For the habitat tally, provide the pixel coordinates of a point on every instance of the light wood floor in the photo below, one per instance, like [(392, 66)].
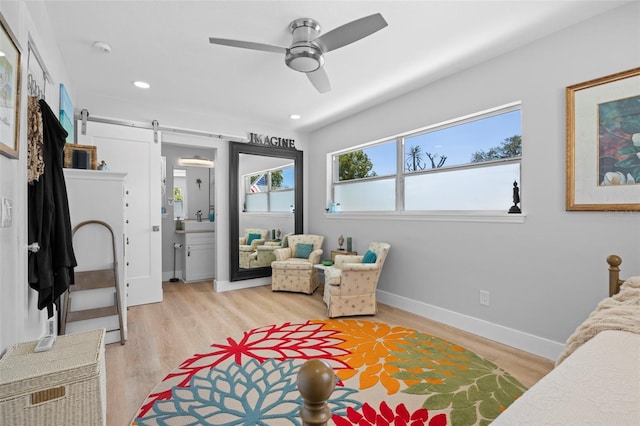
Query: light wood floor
[(192, 316)]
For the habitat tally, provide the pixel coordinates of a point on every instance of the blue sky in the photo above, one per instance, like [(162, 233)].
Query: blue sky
[(457, 142)]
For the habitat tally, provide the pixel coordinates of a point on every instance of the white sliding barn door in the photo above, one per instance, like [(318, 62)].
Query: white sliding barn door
[(134, 152)]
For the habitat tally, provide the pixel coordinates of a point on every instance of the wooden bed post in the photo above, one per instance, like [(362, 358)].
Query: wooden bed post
[(614, 274), (316, 382)]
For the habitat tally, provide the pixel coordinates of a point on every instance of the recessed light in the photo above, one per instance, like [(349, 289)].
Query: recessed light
[(141, 84), (2, 53), (295, 116)]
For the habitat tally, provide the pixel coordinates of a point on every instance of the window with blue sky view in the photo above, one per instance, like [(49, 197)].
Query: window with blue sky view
[(465, 164)]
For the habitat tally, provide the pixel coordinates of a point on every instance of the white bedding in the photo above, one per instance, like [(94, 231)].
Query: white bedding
[(599, 384)]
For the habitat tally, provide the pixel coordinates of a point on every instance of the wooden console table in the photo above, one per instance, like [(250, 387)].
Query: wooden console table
[(334, 253)]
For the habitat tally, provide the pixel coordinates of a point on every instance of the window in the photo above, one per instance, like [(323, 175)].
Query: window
[(179, 188), (367, 178), (270, 190), (467, 164)]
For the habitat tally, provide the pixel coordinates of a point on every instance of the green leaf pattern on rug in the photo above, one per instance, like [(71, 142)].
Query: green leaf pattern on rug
[(474, 389)]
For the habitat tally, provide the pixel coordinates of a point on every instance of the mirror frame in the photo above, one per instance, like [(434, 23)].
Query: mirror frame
[(235, 149)]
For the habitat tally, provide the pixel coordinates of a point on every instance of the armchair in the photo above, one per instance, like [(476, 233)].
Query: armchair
[(264, 255), (350, 285), (292, 270), (248, 247)]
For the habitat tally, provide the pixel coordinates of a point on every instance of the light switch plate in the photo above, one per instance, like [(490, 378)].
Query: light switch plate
[(6, 213)]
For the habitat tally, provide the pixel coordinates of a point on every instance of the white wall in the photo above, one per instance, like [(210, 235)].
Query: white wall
[(20, 319), (544, 275)]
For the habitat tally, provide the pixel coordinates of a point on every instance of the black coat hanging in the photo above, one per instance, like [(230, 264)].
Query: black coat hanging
[(51, 267)]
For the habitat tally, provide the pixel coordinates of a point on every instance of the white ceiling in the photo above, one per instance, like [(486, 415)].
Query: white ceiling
[(166, 44)]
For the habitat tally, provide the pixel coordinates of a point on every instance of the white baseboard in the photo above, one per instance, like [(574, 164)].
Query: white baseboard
[(221, 286), (524, 341)]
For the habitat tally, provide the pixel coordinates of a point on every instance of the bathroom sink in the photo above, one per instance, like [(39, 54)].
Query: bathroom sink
[(195, 226)]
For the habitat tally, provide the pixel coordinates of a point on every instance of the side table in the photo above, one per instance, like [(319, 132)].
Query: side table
[(334, 253)]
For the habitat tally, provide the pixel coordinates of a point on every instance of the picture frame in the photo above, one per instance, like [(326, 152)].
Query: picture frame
[(10, 78), (91, 151), (66, 114), (603, 143)]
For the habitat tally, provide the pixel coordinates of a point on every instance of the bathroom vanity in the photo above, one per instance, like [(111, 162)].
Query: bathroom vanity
[(198, 250)]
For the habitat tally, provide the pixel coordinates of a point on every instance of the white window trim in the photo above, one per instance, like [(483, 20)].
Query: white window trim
[(433, 216)]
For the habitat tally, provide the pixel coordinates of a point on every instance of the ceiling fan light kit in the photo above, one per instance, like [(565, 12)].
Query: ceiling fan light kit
[(307, 48), (304, 55), (304, 58)]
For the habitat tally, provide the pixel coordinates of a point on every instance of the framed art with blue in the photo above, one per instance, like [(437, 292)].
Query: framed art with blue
[(66, 114)]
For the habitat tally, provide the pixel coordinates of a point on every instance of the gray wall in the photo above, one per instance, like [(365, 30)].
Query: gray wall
[(544, 275)]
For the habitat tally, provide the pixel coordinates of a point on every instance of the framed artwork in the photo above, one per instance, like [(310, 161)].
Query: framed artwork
[(603, 143), (80, 156), (9, 91), (66, 114)]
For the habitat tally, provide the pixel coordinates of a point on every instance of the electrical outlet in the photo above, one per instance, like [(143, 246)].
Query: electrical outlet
[(484, 298)]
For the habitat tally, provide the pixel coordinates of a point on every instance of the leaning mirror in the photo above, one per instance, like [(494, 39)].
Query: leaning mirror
[(265, 204)]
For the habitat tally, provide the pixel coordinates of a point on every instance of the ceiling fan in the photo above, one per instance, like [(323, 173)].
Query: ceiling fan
[(308, 47)]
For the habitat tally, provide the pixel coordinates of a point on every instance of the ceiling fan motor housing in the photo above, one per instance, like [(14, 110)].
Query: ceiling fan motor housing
[(304, 55)]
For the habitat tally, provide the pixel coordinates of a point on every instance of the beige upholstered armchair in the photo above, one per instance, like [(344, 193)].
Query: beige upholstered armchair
[(293, 268), (247, 247), (350, 285), (264, 255)]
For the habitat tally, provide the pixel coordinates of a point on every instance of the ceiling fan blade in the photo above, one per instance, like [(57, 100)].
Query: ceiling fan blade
[(247, 45), (350, 32), (320, 80)]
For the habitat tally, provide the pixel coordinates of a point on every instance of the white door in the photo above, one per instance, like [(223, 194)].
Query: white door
[(134, 152)]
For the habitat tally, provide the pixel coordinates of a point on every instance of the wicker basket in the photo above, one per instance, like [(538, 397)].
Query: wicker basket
[(63, 386)]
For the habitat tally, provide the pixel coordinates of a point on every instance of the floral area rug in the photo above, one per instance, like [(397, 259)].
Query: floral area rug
[(384, 376)]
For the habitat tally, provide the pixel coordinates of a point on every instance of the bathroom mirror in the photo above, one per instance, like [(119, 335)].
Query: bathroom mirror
[(192, 189), (248, 163)]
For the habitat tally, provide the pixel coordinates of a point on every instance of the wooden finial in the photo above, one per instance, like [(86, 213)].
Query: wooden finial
[(614, 262), (316, 381)]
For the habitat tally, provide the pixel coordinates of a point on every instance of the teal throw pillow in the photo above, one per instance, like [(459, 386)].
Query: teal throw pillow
[(369, 257), (303, 251), (252, 237)]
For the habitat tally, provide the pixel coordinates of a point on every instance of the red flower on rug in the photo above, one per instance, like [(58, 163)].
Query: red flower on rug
[(387, 417)]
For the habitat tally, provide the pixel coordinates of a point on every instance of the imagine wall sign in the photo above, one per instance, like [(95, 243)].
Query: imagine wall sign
[(272, 141)]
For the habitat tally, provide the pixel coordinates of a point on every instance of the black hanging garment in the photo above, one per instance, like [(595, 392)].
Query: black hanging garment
[(51, 267)]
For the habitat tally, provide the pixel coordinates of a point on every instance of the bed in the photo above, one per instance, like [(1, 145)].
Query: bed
[(596, 380)]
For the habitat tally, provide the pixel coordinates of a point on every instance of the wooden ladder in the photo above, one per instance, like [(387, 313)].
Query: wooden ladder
[(93, 280)]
